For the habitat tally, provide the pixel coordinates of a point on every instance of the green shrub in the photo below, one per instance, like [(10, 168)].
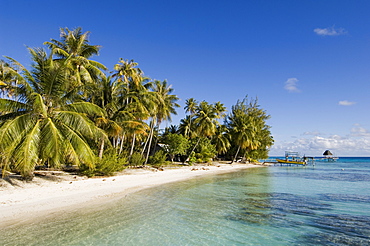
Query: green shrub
[(158, 159), (110, 164), (106, 166), (137, 159)]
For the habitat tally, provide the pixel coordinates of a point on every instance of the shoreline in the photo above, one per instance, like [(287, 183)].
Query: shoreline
[(25, 201)]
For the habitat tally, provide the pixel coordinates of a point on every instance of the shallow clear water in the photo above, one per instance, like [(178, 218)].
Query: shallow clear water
[(325, 204)]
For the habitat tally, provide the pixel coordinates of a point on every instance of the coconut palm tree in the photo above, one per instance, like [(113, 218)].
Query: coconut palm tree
[(244, 123), (8, 79), (220, 109), (190, 106), (75, 46), (187, 128), (42, 125), (165, 104), (205, 122), (221, 139), (206, 119)]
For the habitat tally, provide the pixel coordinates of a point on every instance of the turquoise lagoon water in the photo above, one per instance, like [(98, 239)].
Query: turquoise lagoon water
[(325, 204)]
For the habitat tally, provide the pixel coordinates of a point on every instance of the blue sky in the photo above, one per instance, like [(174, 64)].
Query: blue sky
[(307, 61)]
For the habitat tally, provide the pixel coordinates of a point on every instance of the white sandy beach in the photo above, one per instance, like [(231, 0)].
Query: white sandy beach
[(26, 200)]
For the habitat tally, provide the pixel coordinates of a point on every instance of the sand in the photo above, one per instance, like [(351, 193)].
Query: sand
[(22, 201)]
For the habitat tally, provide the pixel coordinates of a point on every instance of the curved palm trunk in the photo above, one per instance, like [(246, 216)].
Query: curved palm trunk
[(236, 155), (187, 158), (145, 144), (150, 142)]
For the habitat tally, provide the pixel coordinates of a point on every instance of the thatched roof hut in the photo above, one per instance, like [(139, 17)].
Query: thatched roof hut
[(327, 152)]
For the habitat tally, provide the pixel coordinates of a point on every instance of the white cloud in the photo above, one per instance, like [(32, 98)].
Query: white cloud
[(330, 31), (358, 131), (346, 103), (356, 143), (291, 85), (314, 133)]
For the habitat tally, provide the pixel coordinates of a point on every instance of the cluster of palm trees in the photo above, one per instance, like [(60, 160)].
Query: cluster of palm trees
[(67, 109), (243, 133)]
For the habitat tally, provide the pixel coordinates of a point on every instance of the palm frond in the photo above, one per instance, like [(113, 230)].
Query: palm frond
[(52, 144), (25, 156), (84, 108)]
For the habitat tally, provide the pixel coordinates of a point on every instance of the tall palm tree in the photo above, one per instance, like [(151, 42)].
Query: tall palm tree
[(205, 122), (206, 119), (243, 126), (221, 139), (187, 127), (220, 109), (42, 125), (165, 106), (75, 46), (190, 106), (134, 97), (130, 77)]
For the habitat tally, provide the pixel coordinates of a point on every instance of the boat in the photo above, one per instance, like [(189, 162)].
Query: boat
[(294, 158), (291, 162)]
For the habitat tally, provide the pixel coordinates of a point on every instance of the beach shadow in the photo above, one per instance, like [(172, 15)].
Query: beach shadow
[(13, 180)]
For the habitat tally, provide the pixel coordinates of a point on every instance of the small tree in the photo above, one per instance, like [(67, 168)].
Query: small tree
[(205, 151), (175, 145)]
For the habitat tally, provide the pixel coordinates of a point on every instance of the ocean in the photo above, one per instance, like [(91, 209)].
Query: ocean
[(323, 204)]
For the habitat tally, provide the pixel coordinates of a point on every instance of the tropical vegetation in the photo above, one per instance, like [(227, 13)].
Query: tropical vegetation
[(66, 109)]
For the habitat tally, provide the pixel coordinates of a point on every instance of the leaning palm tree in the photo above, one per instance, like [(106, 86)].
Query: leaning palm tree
[(42, 125)]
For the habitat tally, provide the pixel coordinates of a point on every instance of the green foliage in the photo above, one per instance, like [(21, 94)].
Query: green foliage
[(248, 129), (137, 159), (192, 159), (106, 166), (175, 145), (205, 151), (158, 159), (109, 164)]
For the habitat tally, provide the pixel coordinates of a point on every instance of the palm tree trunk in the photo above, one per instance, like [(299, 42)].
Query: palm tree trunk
[(101, 150), (121, 147), (150, 142), (132, 146), (193, 149), (236, 155), (145, 144)]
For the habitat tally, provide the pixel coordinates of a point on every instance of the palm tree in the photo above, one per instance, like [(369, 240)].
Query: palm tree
[(220, 109), (75, 46), (190, 106), (244, 125), (165, 106), (42, 125), (221, 139), (187, 128), (206, 119), (8, 79), (205, 122), (103, 94)]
